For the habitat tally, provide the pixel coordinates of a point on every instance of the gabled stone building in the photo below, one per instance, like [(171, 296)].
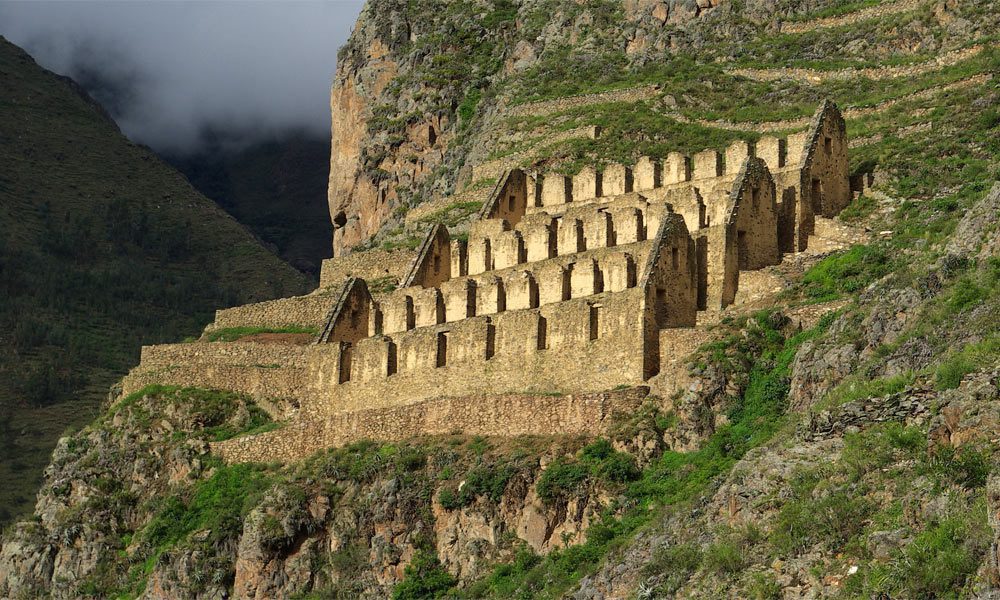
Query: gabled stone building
[(564, 284)]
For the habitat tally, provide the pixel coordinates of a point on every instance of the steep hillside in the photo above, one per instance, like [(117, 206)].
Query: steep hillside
[(103, 247), (834, 437), (277, 188)]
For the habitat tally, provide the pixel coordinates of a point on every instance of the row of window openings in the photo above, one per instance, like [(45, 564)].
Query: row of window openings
[(533, 298), (441, 354), (553, 244)]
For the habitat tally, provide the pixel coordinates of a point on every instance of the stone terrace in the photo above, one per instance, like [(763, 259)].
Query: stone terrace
[(565, 284)]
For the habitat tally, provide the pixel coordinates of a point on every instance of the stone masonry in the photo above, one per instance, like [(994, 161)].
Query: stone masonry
[(566, 287)]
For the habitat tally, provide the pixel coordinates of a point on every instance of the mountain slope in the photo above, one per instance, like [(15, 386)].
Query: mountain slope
[(276, 187), (834, 439), (103, 247)]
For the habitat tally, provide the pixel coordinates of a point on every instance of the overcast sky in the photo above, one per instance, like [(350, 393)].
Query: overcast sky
[(168, 70)]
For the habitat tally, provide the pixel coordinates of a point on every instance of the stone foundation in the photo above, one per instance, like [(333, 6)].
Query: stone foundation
[(507, 415)]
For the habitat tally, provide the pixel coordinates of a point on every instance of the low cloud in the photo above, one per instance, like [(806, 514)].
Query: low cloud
[(174, 73)]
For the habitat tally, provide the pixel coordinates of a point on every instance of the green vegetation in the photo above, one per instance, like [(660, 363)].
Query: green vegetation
[(846, 272), (424, 577), (277, 188), (629, 130), (672, 480), (232, 334), (453, 214), (103, 248), (974, 356)]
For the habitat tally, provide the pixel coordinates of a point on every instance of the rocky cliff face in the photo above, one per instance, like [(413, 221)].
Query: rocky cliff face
[(417, 83)]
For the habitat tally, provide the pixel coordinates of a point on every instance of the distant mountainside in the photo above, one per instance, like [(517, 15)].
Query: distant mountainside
[(103, 247), (277, 188)]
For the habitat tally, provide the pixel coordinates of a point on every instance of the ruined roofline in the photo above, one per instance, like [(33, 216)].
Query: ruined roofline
[(550, 188), (420, 261), (753, 170), (352, 285), (670, 223), (827, 110), (493, 200)]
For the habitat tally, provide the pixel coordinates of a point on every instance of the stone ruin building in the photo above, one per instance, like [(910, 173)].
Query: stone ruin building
[(565, 288)]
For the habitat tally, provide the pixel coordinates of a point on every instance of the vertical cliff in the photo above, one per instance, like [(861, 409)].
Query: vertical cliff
[(419, 87)]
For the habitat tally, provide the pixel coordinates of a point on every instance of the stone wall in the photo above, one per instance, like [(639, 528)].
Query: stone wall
[(493, 415), (369, 265), (580, 345), (301, 311), (278, 376)]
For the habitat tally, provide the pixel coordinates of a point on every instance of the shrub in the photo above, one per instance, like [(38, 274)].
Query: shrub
[(763, 586), (950, 372), (562, 479), (832, 519), (724, 558), (674, 565), (968, 467), (619, 468), (423, 578), (939, 560), (965, 294)]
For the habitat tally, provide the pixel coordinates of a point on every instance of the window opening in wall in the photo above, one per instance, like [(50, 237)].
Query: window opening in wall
[(491, 340), (431, 135), (661, 307), (377, 319), (411, 317), (675, 260), (743, 252), (345, 362), (754, 197), (702, 217), (598, 281), (828, 145), (488, 254), (354, 318), (501, 296), (510, 204), (391, 358), (595, 321), (817, 195), (543, 331), (437, 263), (442, 349)]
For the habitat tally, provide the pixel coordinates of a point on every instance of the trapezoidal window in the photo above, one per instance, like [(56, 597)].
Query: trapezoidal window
[(391, 358), (441, 359), (661, 307), (817, 195), (742, 251), (595, 321), (491, 340), (345, 362)]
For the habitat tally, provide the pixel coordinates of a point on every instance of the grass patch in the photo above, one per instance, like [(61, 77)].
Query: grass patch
[(232, 334), (857, 388), (972, 357), (846, 272)]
